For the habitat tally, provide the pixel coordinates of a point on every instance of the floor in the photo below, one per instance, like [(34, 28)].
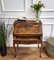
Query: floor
[(25, 54)]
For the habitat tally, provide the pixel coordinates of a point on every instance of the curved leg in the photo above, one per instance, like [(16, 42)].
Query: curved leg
[(17, 45), (38, 45), (40, 50), (14, 49)]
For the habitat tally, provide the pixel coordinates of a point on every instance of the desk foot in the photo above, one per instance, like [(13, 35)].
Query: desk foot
[(14, 56), (40, 56)]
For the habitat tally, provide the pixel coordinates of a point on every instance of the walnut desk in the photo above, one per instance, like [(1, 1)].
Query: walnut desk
[(29, 32)]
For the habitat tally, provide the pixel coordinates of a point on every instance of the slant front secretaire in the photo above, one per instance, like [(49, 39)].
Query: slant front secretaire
[(27, 32)]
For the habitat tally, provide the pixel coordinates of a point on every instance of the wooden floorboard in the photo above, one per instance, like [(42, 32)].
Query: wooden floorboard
[(25, 54)]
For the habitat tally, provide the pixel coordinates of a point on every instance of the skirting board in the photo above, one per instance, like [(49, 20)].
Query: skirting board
[(30, 45)]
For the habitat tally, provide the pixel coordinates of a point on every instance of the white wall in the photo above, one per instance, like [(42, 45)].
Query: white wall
[(47, 18)]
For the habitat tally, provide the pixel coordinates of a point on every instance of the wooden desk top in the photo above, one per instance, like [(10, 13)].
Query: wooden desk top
[(28, 28)]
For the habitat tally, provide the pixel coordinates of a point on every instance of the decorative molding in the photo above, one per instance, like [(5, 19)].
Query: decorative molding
[(44, 9), (46, 17), (47, 10), (41, 17), (5, 8)]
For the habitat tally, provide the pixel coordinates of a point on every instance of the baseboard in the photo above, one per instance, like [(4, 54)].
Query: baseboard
[(30, 45)]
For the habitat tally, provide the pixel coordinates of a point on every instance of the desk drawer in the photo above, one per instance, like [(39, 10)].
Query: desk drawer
[(27, 41)]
